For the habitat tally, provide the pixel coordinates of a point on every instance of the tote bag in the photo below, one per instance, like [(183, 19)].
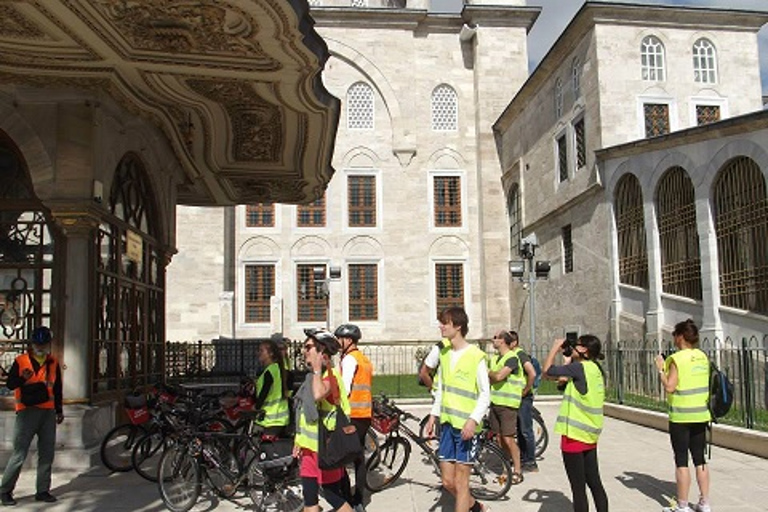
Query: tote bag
[(339, 446)]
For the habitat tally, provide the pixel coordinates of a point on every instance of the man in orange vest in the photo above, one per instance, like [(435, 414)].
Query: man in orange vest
[(357, 374), (35, 378)]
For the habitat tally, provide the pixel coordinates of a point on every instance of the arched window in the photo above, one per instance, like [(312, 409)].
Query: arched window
[(576, 77), (678, 235), (558, 98), (630, 229), (360, 113), (741, 223), (130, 287), (29, 254), (514, 213), (445, 109), (704, 62), (652, 59)]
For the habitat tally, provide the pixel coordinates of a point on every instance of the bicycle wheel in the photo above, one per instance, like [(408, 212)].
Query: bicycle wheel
[(491, 474), (434, 441), (540, 434), (117, 446), (387, 466), (221, 466), (178, 478), (146, 454), (280, 496), (371, 443)]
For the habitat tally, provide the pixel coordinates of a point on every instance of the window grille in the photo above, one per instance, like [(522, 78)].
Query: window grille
[(260, 215), (558, 98), (360, 112), (704, 62), (580, 135), (311, 215), (515, 220), (259, 287), (445, 109), (567, 249), (630, 230), (311, 304), (678, 235), (741, 224), (652, 59), (576, 77), (706, 114), (449, 280), (656, 119), (363, 292), (361, 201), (562, 158), (447, 207)]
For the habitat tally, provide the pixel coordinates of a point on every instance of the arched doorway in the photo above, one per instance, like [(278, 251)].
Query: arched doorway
[(129, 326), (29, 244)]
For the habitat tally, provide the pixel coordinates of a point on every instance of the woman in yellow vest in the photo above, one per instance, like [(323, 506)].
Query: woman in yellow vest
[(321, 392), (272, 390), (580, 420), (685, 377)]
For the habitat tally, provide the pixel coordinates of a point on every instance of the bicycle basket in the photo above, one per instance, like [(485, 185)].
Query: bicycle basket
[(138, 416), (135, 401), (384, 424)]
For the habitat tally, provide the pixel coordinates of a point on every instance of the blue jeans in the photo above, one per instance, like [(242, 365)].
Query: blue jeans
[(526, 440)]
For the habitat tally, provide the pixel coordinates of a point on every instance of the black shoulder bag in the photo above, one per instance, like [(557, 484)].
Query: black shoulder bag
[(37, 392), (339, 446)]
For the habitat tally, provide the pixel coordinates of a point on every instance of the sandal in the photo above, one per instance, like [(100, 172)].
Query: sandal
[(517, 478)]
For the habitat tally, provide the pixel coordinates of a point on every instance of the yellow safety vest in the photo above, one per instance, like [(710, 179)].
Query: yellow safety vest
[(307, 433), (459, 386), (581, 416), (509, 392), (688, 402), (276, 413)]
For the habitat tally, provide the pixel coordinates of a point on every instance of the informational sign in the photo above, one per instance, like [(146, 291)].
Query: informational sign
[(134, 246)]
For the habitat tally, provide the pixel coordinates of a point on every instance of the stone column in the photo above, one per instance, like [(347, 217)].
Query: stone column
[(79, 226), (711, 325), (654, 317)]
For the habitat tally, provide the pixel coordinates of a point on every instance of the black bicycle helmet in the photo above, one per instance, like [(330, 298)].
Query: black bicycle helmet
[(349, 331), (325, 339), (42, 335)]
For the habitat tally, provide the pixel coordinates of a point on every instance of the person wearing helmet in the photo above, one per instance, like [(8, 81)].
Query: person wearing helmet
[(357, 373), (321, 392), (35, 379)]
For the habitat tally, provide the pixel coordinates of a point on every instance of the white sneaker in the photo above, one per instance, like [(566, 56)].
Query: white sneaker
[(676, 509), (698, 507)]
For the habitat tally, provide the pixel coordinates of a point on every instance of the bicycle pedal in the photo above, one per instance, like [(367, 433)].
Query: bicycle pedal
[(501, 479)]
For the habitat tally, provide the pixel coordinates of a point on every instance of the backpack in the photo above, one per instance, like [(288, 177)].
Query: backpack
[(720, 393), (537, 367)]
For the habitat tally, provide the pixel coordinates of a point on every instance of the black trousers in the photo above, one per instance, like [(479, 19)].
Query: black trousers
[(583, 470)]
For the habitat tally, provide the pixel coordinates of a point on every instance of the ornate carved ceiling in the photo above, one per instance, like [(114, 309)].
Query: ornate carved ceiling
[(234, 84)]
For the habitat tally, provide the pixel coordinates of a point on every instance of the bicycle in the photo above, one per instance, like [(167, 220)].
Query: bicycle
[(263, 467), (540, 432), (491, 475)]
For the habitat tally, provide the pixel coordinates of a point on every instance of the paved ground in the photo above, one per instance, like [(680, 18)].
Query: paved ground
[(636, 466)]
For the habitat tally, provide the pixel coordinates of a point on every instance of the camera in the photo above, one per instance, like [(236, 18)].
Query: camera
[(567, 347)]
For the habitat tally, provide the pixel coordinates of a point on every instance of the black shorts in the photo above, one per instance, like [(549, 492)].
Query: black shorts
[(685, 438)]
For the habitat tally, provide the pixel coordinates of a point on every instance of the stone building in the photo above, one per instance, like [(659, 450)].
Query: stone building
[(414, 218), (112, 114), (621, 73)]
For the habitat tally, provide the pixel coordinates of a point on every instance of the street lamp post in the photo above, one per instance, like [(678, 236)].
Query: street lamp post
[(323, 287), (539, 270)]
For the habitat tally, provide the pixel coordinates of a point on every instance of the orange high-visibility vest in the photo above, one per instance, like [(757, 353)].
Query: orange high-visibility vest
[(46, 374), (361, 397)]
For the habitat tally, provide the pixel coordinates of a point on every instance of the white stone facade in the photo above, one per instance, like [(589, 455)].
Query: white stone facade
[(403, 55), (605, 42)]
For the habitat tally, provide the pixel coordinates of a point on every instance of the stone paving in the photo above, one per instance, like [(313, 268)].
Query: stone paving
[(635, 462)]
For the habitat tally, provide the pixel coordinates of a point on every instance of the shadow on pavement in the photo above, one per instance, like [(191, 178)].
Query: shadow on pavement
[(551, 501), (659, 490)]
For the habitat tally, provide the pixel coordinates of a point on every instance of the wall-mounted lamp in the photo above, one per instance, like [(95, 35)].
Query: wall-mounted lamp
[(517, 268)]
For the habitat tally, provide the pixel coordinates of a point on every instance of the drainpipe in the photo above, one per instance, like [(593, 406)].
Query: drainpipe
[(467, 33)]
